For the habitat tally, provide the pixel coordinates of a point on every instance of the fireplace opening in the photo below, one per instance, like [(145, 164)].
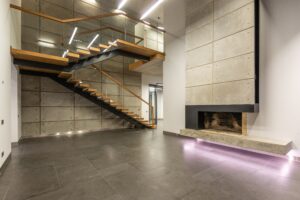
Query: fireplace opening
[(222, 121)]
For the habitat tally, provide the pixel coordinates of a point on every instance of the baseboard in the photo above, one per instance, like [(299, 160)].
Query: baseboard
[(5, 164)]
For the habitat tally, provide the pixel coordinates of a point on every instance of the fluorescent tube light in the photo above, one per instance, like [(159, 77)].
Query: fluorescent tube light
[(161, 28), (148, 23), (92, 42), (151, 9), (122, 4), (73, 35), (65, 53)]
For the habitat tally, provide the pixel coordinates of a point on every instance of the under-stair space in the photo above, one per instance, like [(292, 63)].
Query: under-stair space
[(60, 69)]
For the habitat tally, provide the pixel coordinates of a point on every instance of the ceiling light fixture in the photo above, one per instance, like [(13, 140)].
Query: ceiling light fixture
[(161, 28), (122, 4), (151, 9), (92, 42), (73, 35), (65, 53), (148, 23)]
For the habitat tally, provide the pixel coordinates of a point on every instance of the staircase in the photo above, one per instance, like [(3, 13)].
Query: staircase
[(61, 70)]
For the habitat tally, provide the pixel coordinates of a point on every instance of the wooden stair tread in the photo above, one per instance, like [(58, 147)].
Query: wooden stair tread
[(103, 46), (35, 69), (84, 85), (95, 50), (39, 57), (83, 52), (65, 75), (134, 48), (90, 90), (73, 56)]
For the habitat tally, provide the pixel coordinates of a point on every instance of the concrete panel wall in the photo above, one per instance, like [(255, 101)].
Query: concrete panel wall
[(220, 52), (49, 108)]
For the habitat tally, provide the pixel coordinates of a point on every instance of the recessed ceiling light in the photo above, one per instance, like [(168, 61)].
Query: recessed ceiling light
[(92, 42), (48, 44), (73, 35), (151, 9), (122, 4)]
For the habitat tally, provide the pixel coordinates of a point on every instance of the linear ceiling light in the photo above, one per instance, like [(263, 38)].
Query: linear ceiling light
[(65, 53), (161, 28), (73, 35), (122, 4), (92, 42), (151, 9)]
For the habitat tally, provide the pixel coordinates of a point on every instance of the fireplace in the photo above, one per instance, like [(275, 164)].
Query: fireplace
[(228, 122)]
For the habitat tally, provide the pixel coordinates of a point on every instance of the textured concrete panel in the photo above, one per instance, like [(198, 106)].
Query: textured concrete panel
[(30, 114), (51, 128), (199, 56), (234, 45), (87, 113), (31, 130), (116, 76), (135, 89), (29, 34), (233, 69), (237, 92), (30, 21), (201, 17), (81, 101), (30, 46), (223, 7), (199, 37), (108, 115), (199, 76), (200, 95), (131, 101), (57, 113), (113, 66), (234, 22), (30, 98), (111, 89), (85, 8), (48, 85), (54, 38), (30, 82), (87, 125), (68, 4), (31, 4), (112, 123), (57, 99), (88, 74), (132, 80)]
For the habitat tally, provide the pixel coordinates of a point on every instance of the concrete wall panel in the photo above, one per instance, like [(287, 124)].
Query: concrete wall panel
[(236, 92), (200, 95), (30, 114), (87, 113), (57, 113), (30, 98), (199, 56), (193, 40), (234, 45), (234, 22), (51, 128), (233, 69), (199, 76), (223, 7), (57, 99)]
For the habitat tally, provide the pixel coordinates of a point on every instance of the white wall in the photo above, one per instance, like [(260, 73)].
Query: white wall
[(5, 82), (279, 115), (15, 39), (146, 80), (174, 66)]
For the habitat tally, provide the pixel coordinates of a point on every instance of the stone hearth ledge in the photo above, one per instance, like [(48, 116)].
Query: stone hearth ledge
[(246, 142)]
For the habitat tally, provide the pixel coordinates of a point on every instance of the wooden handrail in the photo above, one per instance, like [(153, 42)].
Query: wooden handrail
[(78, 19), (151, 108), (120, 84)]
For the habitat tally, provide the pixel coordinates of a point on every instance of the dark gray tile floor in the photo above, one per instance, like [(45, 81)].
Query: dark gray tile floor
[(143, 164)]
